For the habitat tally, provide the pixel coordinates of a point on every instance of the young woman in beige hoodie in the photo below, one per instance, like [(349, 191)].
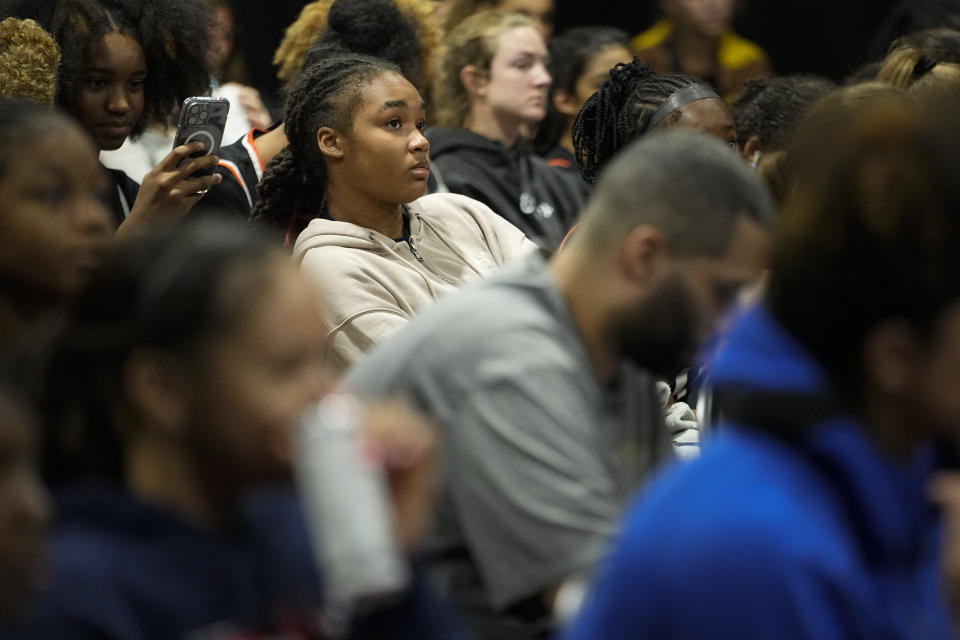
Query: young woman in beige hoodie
[(350, 188)]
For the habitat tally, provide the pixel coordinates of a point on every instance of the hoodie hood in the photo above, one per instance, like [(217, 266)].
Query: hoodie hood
[(518, 185), (323, 232), (766, 380), (447, 140)]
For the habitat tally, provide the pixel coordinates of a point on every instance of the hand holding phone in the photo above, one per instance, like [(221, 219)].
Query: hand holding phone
[(202, 120)]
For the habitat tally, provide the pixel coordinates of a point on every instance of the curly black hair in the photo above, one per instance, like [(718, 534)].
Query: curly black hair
[(620, 111), (570, 53), (372, 28), (172, 33), (771, 108), (326, 94)]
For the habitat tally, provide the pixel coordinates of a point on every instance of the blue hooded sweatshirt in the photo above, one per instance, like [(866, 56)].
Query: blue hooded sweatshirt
[(791, 525)]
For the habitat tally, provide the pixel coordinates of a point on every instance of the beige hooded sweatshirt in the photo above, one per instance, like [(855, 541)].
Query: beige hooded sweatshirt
[(371, 285)]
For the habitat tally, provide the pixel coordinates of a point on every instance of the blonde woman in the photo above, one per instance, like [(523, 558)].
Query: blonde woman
[(492, 90)]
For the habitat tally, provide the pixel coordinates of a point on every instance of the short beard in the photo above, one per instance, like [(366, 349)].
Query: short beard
[(660, 334)]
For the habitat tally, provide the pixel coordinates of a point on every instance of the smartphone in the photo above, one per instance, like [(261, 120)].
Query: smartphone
[(202, 119)]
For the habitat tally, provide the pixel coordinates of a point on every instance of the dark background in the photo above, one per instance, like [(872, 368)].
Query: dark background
[(827, 37)]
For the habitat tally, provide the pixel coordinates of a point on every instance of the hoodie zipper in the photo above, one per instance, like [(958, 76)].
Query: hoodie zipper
[(416, 254)]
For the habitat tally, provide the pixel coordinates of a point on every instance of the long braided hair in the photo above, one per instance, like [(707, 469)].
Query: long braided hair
[(293, 187), (570, 54), (620, 111)]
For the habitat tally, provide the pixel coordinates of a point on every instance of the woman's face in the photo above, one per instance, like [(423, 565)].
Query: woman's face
[(250, 386), (24, 513), (710, 116), (597, 70), (109, 95), (54, 228), (519, 80), (385, 155)]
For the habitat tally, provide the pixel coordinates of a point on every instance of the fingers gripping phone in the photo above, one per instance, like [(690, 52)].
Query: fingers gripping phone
[(202, 120)]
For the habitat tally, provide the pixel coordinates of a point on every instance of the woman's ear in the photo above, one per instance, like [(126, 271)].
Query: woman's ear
[(753, 149), (157, 391), (474, 80), (330, 143), (565, 103)]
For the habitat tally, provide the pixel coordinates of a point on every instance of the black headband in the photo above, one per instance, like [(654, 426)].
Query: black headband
[(680, 98)]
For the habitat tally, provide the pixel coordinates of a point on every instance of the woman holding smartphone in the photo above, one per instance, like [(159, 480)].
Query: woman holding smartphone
[(127, 64)]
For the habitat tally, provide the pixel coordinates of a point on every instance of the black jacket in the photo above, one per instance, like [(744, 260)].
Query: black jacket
[(519, 186)]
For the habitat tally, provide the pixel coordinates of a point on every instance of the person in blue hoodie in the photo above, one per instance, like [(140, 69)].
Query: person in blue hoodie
[(808, 516), (168, 403)]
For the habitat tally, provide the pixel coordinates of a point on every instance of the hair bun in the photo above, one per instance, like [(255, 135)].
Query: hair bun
[(364, 22), (625, 72)]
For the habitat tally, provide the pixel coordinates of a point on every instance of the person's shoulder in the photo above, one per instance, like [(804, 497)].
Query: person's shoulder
[(506, 324), (446, 209), (439, 204), (757, 498), (653, 37), (737, 52)]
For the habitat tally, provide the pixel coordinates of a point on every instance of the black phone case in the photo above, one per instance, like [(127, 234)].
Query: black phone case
[(202, 119)]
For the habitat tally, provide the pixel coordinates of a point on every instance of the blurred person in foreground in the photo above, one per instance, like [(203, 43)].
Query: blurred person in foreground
[(54, 227), (168, 403), (540, 377), (25, 510), (808, 515)]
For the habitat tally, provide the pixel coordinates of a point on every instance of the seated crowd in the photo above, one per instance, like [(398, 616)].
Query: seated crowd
[(639, 341)]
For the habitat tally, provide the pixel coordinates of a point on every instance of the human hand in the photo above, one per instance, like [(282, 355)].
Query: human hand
[(945, 492), (168, 191), (404, 441), (252, 105)]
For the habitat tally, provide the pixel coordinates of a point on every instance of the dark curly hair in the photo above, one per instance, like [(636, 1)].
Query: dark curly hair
[(404, 32), (326, 94), (371, 28), (620, 111), (172, 33), (570, 53), (771, 108)]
